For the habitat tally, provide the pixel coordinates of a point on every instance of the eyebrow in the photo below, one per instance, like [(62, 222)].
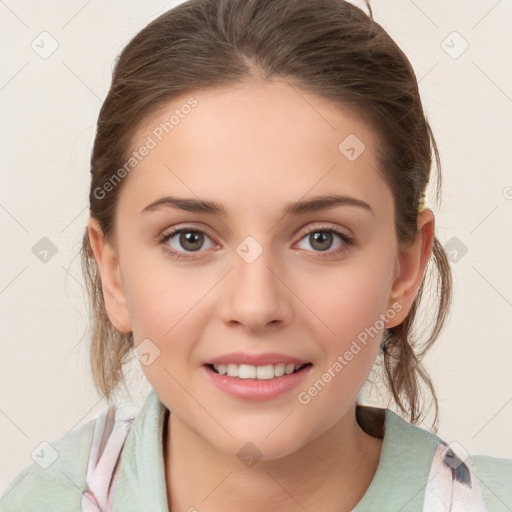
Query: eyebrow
[(323, 202)]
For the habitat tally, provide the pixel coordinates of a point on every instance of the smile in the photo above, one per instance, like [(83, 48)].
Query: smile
[(256, 383)]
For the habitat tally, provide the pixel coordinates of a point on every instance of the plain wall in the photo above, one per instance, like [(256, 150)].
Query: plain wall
[(49, 107)]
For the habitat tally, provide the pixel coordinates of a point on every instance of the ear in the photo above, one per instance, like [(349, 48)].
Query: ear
[(410, 267), (108, 265)]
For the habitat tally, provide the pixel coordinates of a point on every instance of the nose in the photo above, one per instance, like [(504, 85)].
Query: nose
[(255, 295)]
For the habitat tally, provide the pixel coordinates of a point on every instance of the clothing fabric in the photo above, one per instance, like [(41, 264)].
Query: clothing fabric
[(115, 463)]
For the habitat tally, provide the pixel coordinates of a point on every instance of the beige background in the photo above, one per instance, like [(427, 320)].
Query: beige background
[(49, 109)]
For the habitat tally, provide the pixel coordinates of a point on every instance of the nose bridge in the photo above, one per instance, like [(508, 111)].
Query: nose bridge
[(252, 263), (256, 296)]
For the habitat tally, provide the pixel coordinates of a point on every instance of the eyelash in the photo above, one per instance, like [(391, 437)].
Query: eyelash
[(347, 241)]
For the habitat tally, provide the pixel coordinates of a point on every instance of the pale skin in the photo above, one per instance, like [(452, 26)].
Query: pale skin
[(254, 149)]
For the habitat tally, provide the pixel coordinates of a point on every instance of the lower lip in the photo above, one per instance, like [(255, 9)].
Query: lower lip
[(256, 389)]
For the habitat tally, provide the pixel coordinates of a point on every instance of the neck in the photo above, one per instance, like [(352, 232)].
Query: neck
[(331, 473)]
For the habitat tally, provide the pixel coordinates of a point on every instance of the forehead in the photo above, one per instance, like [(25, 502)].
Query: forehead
[(254, 141)]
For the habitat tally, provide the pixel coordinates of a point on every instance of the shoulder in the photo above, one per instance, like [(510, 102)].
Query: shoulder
[(495, 476), (494, 467), (56, 479), (475, 482)]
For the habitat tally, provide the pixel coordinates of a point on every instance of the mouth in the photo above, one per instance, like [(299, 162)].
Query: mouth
[(265, 372)]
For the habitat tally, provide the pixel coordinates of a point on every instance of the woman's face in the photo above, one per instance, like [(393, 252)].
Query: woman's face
[(264, 277)]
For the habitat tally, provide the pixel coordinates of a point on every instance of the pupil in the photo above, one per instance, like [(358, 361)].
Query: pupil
[(188, 237), (322, 236)]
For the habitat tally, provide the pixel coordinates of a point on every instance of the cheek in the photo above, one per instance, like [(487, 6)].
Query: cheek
[(348, 307), (345, 302), (167, 306), (159, 292), (349, 335)]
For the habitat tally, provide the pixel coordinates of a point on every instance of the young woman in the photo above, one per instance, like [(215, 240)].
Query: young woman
[(259, 240)]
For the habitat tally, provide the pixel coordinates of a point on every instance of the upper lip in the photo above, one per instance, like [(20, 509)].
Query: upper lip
[(256, 359)]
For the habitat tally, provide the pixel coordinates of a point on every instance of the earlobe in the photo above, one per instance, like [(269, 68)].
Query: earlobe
[(410, 267), (111, 282)]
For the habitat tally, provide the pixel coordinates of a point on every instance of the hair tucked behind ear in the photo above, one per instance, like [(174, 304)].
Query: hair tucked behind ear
[(401, 352), (326, 47)]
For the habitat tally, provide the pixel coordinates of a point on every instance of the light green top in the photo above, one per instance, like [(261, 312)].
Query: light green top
[(398, 484)]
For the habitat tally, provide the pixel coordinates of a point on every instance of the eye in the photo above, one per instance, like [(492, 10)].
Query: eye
[(190, 239), (321, 239)]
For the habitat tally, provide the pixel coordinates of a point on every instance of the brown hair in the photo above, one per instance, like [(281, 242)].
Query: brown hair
[(327, 47)]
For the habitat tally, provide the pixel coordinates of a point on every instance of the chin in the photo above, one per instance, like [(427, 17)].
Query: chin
[(251, 449)]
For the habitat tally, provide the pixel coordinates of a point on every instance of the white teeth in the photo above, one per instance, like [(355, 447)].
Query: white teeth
[(248, 371), (221, 368), (289, 369), (264, 372), (279, 370)]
